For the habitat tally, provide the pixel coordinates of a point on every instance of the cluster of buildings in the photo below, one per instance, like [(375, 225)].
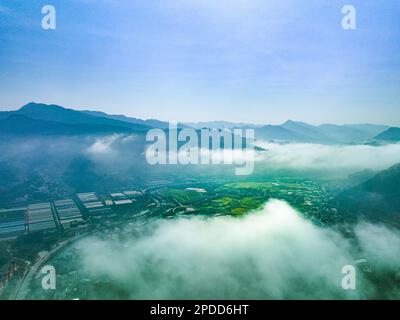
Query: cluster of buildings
[(60, 214), (68, 213), (12, 222), (40, 217), (8, 271), (92, 204)]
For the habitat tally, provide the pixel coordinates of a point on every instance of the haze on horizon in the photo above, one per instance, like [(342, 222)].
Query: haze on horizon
[(201, 60)]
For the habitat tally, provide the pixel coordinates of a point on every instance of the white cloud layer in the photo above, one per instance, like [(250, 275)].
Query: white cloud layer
[(329, 157), (273, 253), (103, 145)]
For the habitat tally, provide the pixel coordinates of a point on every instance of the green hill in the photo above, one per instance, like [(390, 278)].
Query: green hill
[(391, 134), (17, 124), (56, 113), (376, 199), (43, 119)]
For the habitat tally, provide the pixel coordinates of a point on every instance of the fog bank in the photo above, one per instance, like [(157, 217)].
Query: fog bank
[(273, 253)]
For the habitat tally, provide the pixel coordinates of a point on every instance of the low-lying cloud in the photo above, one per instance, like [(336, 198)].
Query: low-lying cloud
[(272, 253), (305, 156), (346, 159), (103, 145)]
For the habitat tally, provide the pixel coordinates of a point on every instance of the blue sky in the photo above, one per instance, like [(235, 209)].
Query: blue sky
[(197, 60)]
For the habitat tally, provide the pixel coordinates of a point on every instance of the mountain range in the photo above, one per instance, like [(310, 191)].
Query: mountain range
[(37, 118), (148, 123), (294, 131)]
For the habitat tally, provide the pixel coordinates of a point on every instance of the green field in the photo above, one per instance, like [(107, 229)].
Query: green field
[(239, 198), (183, 196)]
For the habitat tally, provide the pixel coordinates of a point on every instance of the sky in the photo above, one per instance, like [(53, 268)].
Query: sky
[(199, 60)]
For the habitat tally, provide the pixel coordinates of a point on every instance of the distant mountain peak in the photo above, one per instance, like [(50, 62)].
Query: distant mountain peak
[(42, 107), (289, 122), (48, 116), (36, 105), (296, 123), (29, 105)]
